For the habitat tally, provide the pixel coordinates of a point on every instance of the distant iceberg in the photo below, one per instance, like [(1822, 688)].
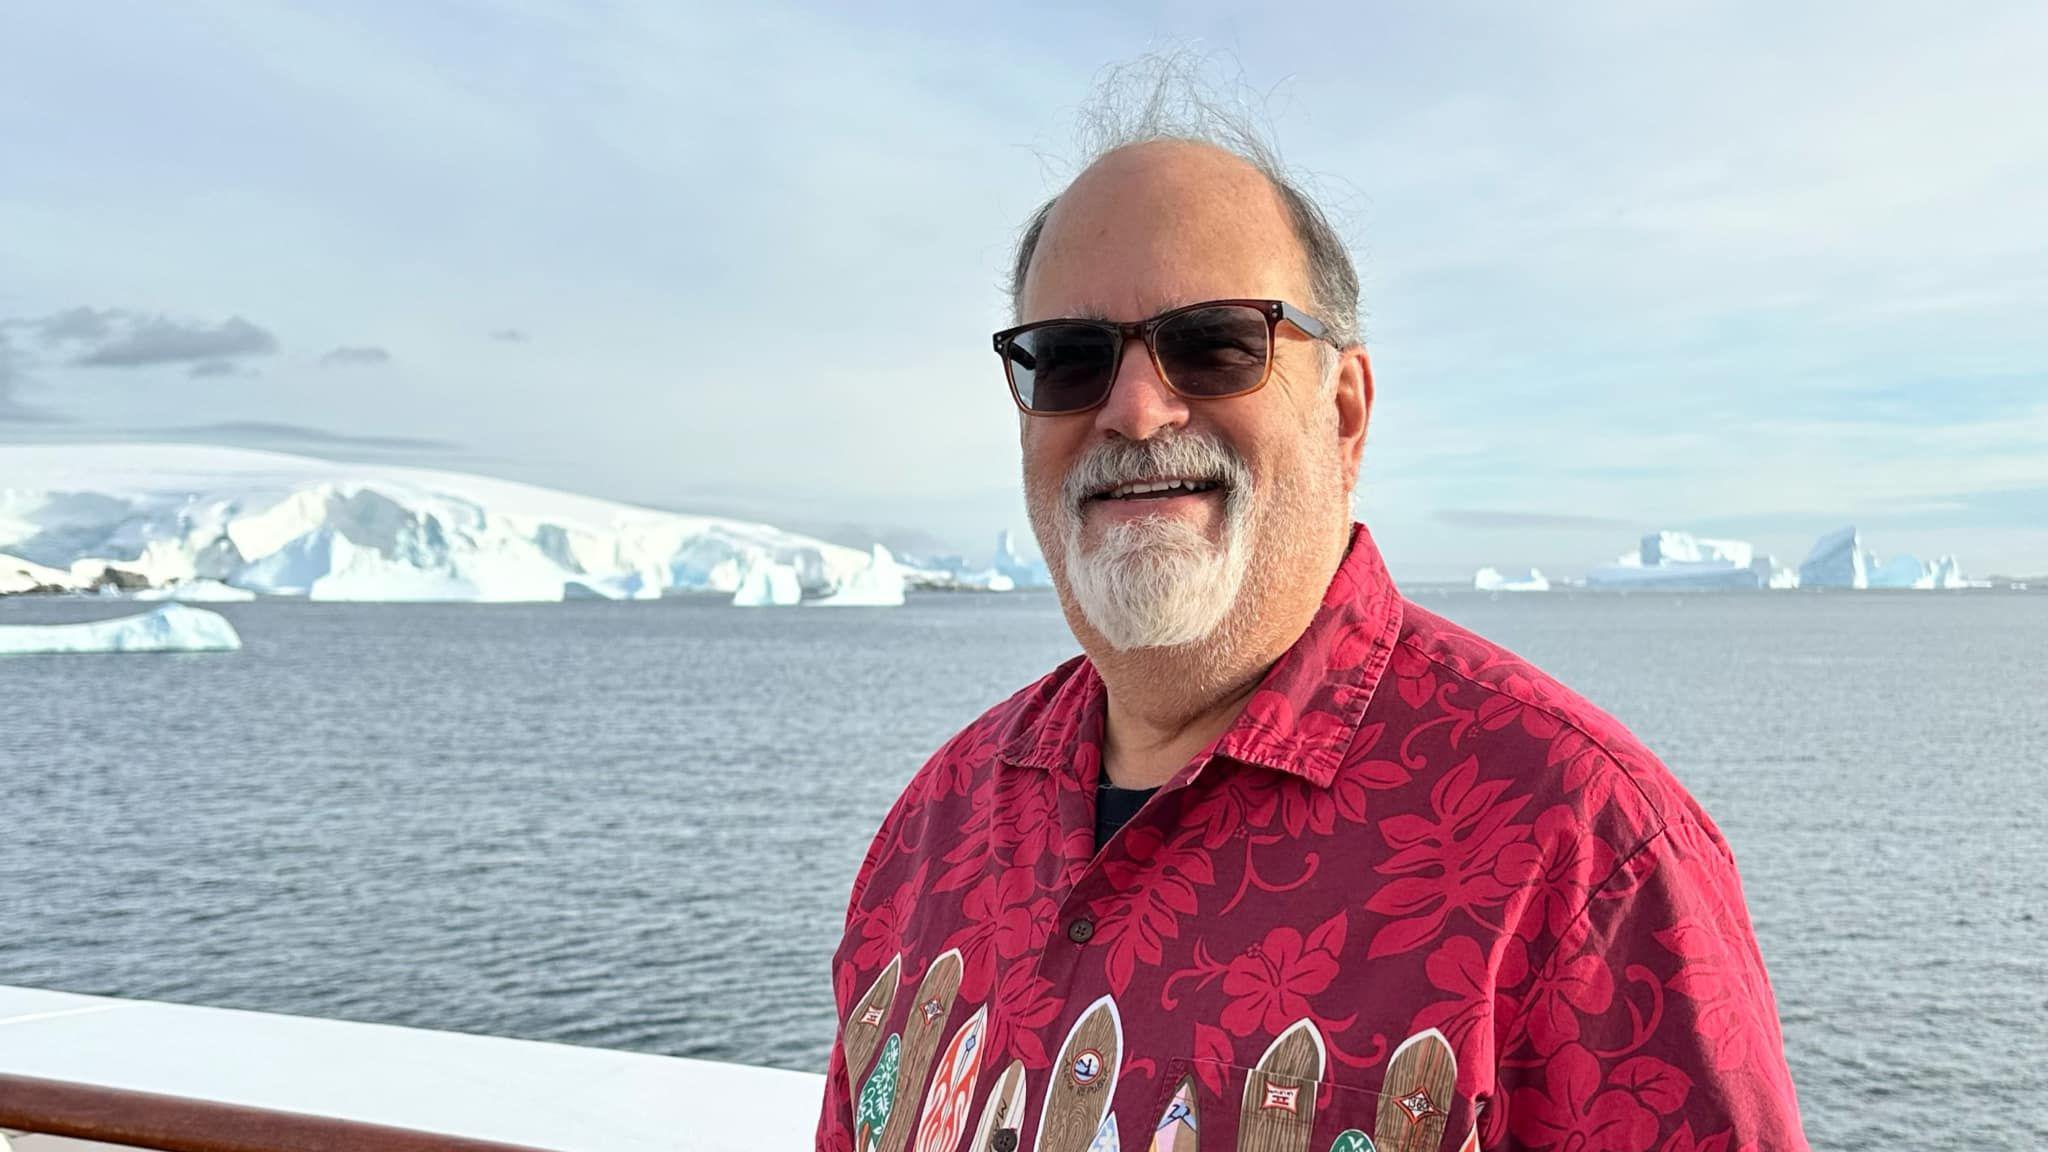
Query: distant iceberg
[(987, 580), (1679, 560), (952, 572), (879, 585), (768, 585), (1526, 580), (196, 592), (1835, 561), (1839, 560), (171, 628), (1022, 573)]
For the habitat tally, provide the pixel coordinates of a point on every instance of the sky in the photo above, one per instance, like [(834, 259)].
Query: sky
[(1750, 270)]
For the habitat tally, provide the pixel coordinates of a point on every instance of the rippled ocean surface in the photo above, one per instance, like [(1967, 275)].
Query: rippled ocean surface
[(634, 825)]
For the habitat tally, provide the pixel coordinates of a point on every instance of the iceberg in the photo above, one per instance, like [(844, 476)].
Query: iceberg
[(768, 585), (1839, 560), (171, 628), (1494, 580), (196, 592), (951, 572), (18, 576), (879, 585), (987, 580), (1022, 573), (131, 516), (1947, 572), (1679, 560)]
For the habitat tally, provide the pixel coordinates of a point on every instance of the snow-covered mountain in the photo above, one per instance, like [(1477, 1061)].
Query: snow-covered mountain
[(280, 525)]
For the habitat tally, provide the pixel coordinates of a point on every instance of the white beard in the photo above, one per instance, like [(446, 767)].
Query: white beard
[(1156, 581)]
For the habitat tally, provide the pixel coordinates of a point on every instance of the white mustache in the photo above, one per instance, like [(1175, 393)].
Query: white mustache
[(1186, 457)]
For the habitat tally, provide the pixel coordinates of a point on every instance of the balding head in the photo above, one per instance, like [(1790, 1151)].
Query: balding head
[(1210, 194), (1156, 225)]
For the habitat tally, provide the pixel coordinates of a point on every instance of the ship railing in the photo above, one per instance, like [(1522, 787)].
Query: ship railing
[(32, 1107)]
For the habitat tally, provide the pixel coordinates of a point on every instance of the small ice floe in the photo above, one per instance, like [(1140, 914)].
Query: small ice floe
[(1523, 580), (171, 628)]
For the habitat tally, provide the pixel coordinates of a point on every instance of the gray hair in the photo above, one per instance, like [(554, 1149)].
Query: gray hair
[(1168, 97)]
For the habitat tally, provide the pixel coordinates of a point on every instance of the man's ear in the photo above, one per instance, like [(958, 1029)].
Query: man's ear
[(1353, 398)]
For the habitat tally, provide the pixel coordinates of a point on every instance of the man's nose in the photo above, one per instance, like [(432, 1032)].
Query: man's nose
[(1140, 404)]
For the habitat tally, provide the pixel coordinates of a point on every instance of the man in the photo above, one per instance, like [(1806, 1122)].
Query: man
[(1285, 861)]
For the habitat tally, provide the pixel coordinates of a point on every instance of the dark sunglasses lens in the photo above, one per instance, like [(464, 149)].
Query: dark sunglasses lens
[(1062, 367), (1217, 351)]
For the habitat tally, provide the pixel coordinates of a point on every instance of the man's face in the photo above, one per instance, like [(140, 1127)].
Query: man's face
[(1144, 230)]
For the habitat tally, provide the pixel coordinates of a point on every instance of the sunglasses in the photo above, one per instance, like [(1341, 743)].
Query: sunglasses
[(1203, 351)]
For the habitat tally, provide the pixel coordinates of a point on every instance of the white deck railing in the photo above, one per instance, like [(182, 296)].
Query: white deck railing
[(443, 1088)]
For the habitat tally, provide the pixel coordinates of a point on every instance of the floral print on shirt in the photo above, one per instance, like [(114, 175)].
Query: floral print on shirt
[(1418, 895)]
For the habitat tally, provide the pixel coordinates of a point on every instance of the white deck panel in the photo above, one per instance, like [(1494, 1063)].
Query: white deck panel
[(554, 1096)]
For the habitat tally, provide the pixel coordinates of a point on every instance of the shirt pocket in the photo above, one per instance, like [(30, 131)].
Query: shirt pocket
[(1210, 1106)]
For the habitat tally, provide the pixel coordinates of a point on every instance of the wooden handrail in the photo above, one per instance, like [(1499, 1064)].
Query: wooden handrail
[(180, 1124)]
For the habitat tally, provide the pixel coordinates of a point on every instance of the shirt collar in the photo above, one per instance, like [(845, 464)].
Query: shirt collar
[(1301, 718)]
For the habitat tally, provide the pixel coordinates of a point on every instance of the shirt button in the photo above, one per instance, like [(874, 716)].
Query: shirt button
[(1081, 931), (1005, 1140)]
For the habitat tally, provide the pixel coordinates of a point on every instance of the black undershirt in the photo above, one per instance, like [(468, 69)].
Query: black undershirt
[(1114, 808)]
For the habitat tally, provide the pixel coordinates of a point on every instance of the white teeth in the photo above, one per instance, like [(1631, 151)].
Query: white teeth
[(1145, 489)]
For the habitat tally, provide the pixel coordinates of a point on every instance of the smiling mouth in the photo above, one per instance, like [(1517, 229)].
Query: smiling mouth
[(1157, 489)]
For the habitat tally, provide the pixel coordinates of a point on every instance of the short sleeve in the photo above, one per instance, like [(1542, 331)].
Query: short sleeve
[(1650, 1024), (835, 1117)]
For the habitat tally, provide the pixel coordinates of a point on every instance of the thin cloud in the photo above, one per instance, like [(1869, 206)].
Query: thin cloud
[(206, 368), (351, 355), (1482, 518), (271, 433), (509, 336), (79, 324), (113, 338)]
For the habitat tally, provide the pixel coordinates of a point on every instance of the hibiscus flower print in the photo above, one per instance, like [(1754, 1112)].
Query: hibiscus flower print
[(1269, 985), (1576, 1109)]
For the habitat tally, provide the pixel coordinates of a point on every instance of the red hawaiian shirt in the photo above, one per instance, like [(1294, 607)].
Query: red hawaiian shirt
[(1418, 896)]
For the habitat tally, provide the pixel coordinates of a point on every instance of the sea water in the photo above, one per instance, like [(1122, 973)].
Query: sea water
[(634, 825)]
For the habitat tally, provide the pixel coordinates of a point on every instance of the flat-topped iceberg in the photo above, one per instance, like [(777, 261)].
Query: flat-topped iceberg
[(171, 628), (1679, 560)]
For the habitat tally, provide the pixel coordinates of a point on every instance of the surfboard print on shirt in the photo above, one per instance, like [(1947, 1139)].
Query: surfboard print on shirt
[(877, 1101), (1083, 1080), (1415, 1096), (863, 1027), (1280, 1093), (1179, 1126), (929, 1010), (1005, 1107), (944, 1115)]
